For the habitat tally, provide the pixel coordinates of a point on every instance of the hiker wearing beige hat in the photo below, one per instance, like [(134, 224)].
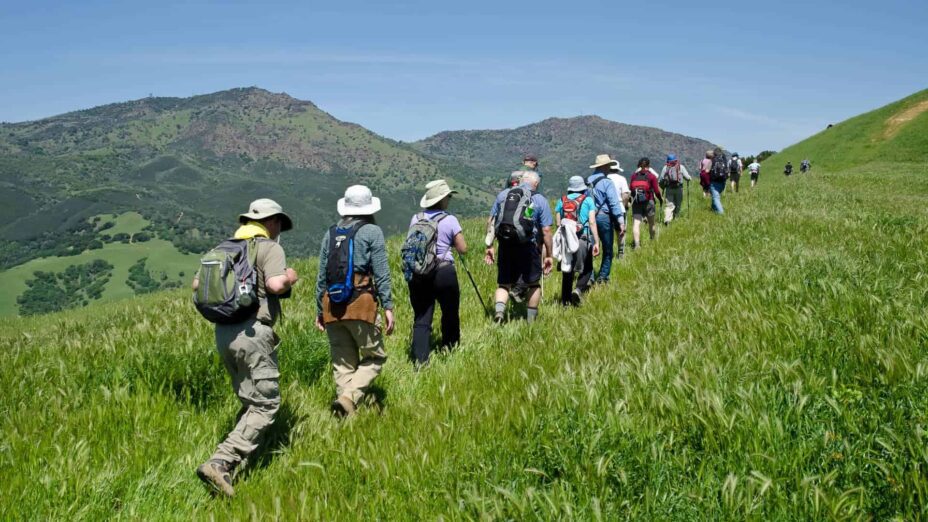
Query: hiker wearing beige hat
[(428, 266), (610, 212), (248, 348), (353, 279)]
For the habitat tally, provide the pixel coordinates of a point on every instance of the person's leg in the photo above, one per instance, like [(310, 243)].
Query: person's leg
[(534, 299), (449, 298), (676, 196), (567, 285), (254, 351), (636, 231), (369, 340), (669, 210), (716, 189), (619, 233), (604, 225), (531, 277), (505, 278), (585, 266), (652, 222), (422, 297), (345, 357)]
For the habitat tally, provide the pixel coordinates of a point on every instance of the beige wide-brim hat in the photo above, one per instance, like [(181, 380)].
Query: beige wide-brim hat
[(264, 208), (358, 201), (435, 191), (602, 160)]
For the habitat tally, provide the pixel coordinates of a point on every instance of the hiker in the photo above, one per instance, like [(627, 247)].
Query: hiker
[(805, 166), (671, 180), (718, 175), (523, 226), (788, 169), (248, 346), (433, 233), (735, 167), (515, 179), (621, 188), (575, 214), (610, 214), (754, 167), (348, 290), (645, 189), (705, 167)]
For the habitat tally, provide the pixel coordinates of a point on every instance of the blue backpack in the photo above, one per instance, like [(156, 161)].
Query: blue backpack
[(339, 269)]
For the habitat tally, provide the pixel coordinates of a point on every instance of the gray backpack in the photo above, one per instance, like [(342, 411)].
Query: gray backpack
[(227, 288), (420, 250)]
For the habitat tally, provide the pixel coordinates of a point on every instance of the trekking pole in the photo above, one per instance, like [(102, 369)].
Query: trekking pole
[(483, 303), (687, 197)]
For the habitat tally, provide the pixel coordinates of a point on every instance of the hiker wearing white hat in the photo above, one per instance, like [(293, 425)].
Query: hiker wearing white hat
[(610, 213), (428, 265), (248, 348), (575, 214), (353, 279)]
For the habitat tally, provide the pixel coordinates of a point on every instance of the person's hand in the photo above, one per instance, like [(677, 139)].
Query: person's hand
[(292, 276), (622, 226), (548, 265), (595, 249), (391, 322), (489, 257), (319, 324)]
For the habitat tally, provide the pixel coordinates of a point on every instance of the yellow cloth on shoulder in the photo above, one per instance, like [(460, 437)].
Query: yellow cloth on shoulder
[(250, 230)]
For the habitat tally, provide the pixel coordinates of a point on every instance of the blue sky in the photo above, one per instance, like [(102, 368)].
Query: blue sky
[(747, 75)]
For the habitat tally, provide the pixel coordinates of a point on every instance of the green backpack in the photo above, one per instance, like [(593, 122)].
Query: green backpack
[(227, 292)]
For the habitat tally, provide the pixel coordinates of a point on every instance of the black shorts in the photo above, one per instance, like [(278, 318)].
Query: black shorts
[(755, 175), (736, 176), (518, 264)]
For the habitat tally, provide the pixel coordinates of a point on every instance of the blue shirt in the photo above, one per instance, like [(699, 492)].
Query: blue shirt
[(584, 214), (542, 216), (608, 202)]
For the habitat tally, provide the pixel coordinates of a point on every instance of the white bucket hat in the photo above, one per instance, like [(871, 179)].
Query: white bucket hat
[(358, 201), (435, 191), (616, 167), (264, 208), (601, 160), (576, 184)]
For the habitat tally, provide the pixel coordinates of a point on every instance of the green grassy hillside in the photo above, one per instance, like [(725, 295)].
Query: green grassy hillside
[(895, 133), (765, 364)]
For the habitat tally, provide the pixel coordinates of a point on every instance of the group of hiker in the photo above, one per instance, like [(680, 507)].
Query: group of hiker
[(804, 167), (241, 282)]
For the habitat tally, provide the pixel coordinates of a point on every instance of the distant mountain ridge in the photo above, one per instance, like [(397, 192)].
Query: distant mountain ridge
[(564, 146)]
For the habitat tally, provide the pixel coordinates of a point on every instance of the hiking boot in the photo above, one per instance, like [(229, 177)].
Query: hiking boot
[(576, 298), (635, 246), (498, 318), (217, 475), (342, 407)]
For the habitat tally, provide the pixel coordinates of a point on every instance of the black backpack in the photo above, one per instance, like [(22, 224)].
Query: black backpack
[(227, 290), (339, 268), (515, 222), (733, 166), (719, 170)]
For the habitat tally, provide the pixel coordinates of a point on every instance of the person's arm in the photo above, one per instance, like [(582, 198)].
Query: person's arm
[(591, 219), (657, 190), (459, 244), (381, 274), (277, 277), (320, 280), (684, 173), (613, 200), (549, 248)]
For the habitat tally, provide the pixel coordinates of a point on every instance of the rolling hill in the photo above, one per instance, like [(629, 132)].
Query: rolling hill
[(767, 364), (564, 146)]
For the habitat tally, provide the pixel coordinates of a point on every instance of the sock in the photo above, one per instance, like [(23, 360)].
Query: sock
[(500, 307), (532, 314)]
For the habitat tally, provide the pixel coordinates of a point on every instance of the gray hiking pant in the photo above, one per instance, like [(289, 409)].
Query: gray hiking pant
[(249, 352)]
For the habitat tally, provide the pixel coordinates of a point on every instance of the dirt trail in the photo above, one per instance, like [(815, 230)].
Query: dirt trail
[(894, 123)]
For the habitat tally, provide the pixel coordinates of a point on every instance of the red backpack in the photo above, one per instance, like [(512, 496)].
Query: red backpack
[(640, 187), (571, 208)]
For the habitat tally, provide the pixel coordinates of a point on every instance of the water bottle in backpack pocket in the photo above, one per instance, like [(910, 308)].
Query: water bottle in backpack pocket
[(339, 269), (515, 221)]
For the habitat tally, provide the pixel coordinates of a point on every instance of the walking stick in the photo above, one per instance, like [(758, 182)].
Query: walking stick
[(483, 303), (687, 197)]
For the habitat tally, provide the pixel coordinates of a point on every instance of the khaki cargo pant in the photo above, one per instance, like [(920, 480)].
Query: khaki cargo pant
[(357, 356), (249, 352)]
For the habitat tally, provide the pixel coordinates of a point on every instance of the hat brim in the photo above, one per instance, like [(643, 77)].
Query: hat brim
[(285, 222), (616, 168), (366, 210), (427, 202), (613, 162)]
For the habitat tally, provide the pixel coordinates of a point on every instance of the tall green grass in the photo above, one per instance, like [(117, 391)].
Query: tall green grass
[(767, 364)]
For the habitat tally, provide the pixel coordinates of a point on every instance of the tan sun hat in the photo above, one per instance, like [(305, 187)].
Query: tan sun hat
[(435, 191), (358, 201), (602, 160), (264, 208)]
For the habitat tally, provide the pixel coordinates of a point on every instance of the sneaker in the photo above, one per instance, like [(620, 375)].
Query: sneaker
[(342, 407), (498, 318), (635, 246), (216, 474), (575, 298)]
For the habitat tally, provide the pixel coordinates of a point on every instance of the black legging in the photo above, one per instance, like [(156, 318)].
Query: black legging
[(443, 286)]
